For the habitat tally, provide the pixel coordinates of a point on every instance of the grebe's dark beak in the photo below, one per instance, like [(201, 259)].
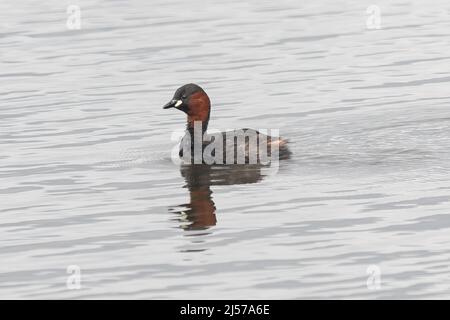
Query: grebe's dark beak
[(173, 104)]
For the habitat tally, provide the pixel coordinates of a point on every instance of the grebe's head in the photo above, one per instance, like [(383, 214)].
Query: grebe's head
[(192, 100)]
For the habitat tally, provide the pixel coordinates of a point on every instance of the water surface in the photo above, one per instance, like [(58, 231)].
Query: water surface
[(87, 179)]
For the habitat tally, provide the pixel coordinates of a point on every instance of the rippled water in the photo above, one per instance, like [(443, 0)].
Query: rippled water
[(87, 179)]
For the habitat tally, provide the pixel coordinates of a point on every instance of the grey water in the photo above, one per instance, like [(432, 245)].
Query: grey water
[(87, 180)]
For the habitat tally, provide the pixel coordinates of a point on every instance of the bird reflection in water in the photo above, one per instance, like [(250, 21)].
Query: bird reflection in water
[(200, 212)]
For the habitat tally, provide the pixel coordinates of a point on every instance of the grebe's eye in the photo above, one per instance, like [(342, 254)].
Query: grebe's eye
[(183, 96)]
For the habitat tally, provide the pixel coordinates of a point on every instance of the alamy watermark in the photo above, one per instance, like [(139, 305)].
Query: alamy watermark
[(374, 280), (374, 17), (73, 281), (74, 19)]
